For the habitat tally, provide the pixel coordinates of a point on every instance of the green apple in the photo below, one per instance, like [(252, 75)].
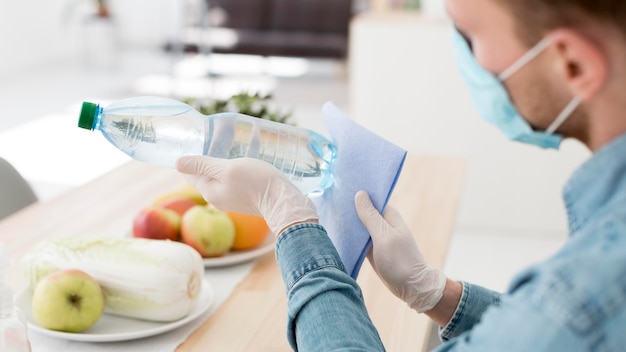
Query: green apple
[(207, 229), (68, 300)]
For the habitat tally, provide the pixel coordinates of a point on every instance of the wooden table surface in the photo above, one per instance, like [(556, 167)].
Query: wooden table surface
[(253, 318)]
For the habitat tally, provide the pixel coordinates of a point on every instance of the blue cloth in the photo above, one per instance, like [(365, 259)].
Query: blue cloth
[(573, 301), (365, 161)]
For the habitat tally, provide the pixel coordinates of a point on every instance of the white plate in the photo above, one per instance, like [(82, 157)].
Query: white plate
[(116, 328), (236, 257)]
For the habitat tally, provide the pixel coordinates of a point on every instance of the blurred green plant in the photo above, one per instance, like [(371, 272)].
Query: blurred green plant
[(256, 105), (413, 4)]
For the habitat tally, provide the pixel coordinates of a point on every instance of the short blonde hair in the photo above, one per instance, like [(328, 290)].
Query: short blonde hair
[(537, 17)]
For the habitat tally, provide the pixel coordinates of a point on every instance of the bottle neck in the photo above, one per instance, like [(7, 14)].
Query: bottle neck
[(97, 118)]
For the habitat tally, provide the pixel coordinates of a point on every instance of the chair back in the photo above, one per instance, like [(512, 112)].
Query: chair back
[(15, 192)]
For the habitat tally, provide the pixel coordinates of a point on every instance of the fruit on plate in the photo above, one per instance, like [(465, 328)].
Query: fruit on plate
[(140, 278), (68, 300), (186, 191), (157, 223), (179, 205), (207, 229), (250, 230)]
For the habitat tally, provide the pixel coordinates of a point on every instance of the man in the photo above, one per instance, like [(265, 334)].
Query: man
[(540, 70)]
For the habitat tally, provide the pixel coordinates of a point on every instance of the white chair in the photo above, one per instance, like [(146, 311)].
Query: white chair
[(15, 192)]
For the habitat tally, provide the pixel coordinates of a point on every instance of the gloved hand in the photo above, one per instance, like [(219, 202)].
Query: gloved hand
[(249, 186), (396, 258)]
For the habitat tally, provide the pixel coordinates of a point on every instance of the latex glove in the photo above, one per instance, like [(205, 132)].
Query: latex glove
[(396, 258), (249, 186)]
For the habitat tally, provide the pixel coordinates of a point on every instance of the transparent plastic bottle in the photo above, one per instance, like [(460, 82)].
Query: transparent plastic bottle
[(160, 130), (13, 335)]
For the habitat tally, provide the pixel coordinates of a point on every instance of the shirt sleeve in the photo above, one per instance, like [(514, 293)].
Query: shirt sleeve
[(474, 302), (325, 305), (543, 311)]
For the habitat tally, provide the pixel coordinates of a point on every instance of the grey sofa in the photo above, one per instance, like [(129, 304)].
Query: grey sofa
[(297, 28)]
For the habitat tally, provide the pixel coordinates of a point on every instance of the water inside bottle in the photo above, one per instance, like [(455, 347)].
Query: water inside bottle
[(304, 156)]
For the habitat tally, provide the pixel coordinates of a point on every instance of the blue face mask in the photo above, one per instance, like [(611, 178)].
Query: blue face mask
[(492, 101)]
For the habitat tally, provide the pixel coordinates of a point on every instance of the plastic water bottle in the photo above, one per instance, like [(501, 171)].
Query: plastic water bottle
[(13, 335), (160, 130)]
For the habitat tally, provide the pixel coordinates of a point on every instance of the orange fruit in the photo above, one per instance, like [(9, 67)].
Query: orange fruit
[(250, 230)]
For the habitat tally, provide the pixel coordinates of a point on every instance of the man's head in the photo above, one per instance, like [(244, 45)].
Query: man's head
[(536, 18), (586, 59)]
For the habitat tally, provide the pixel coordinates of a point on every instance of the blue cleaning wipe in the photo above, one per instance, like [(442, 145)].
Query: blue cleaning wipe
[(365, 161)]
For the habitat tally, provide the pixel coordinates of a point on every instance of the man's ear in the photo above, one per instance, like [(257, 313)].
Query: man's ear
[(581, 62)]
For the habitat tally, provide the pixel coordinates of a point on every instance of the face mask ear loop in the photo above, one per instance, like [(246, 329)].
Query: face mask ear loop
[(526, 58), (569, 109)]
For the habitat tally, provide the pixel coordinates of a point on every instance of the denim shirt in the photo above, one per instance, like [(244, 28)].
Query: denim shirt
[(573, 301), (325, 308), (576, 299)]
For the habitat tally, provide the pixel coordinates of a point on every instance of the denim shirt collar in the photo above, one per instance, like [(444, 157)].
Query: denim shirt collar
[(596, 183)]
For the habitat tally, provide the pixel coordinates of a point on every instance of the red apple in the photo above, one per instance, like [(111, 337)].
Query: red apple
[(207, 229), (157, 223), (179, 205)]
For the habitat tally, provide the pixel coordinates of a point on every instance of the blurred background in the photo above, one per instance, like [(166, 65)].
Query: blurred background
[(387, 64)]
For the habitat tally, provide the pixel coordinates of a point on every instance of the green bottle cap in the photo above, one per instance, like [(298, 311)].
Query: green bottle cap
[(87, 115)]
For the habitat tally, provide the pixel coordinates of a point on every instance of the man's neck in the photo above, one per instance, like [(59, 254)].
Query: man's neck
[(606, 121)]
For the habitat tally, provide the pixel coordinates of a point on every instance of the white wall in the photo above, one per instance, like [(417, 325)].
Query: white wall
[(36, 33), (148, 23), (404, 85), (32, 34)]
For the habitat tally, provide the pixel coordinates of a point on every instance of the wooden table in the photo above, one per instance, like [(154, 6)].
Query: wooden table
[(254, 317)]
